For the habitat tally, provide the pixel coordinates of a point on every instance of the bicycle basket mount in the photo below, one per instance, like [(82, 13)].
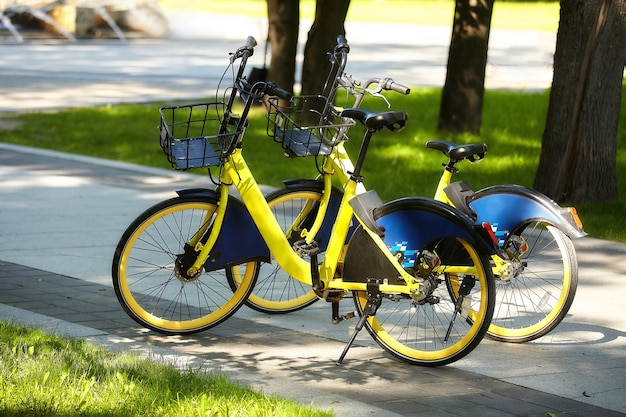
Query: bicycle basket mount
[(189, 135), (306, 126)]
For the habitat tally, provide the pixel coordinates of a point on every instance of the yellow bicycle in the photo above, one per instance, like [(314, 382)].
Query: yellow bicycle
[(536, 269), (418, 269)]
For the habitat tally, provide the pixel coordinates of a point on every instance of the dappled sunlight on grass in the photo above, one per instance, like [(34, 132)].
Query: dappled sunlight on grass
[(514, 143)]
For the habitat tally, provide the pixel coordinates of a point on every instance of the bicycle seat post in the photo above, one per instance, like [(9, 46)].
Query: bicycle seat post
[(355, 175), (373, 121)]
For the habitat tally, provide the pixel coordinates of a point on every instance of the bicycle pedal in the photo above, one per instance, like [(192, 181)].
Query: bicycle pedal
[(303, 248)]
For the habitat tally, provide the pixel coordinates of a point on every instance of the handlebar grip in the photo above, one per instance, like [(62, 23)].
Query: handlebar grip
[(342, 45), (250, 42), (389, 84), (274, 90), (247, 50)]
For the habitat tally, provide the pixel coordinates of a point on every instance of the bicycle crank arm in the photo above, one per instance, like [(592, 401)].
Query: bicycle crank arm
[(336, 319)]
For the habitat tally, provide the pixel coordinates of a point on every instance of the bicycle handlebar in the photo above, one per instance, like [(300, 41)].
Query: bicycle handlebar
[(389, 84), (269, 88), (339, 57), (274, 90), (247, 50), (250, 42), (341, 52)]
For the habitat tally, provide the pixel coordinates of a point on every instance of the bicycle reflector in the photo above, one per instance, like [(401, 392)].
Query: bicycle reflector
[(492, 235), (574, 214)]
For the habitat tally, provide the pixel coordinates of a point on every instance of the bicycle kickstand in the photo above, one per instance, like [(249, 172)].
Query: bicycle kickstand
[(374, 299), (466, 286)]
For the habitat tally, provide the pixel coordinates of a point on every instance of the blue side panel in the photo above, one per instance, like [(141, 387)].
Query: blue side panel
[(410, 231), (507, 211), (323, 236), (240, 240)]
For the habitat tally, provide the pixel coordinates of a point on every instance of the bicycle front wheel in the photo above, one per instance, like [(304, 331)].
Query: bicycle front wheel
[(438, 330), (151, 286), (536, 299), (275, 291)]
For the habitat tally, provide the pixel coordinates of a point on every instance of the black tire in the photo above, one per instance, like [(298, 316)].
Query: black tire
[(415, 332)]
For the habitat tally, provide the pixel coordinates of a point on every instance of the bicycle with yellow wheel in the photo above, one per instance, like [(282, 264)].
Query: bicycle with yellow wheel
[(417, 268), (536, 269)]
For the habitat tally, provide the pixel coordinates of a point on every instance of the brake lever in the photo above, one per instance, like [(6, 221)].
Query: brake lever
[(376, 93)]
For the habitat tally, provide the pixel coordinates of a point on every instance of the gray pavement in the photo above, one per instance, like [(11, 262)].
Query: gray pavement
[(61, 216)]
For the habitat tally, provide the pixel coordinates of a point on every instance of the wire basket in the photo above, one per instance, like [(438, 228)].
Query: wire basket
[(190, 135), (306, 127)]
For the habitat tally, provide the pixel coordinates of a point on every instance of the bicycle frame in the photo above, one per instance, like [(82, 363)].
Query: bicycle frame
[(237, 173), (255, 210), (491, 205)]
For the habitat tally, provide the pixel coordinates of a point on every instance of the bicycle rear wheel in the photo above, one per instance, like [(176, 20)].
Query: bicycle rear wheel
[(433, 333), (532, 303), (275, 291), (154, 291)]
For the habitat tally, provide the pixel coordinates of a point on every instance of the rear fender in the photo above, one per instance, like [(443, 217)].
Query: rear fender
[(239, 241), (411, 225), (509, 207)]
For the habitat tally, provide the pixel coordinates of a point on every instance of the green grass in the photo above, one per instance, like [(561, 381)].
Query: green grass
[(397, 165), (543, 16), (42, 374)]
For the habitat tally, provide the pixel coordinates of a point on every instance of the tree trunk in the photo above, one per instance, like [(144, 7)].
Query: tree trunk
[(284, 23), (322, 38), (579, 146), (462, 95)]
